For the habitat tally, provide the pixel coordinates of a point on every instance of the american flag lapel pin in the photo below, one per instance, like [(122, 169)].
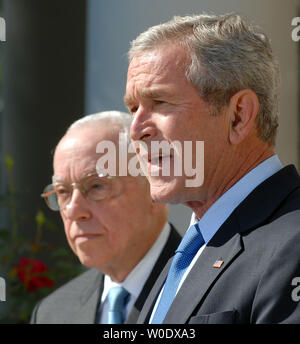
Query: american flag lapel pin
[(218, 263)]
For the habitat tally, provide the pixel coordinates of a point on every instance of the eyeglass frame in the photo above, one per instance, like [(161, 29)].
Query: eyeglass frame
[(73, 185)]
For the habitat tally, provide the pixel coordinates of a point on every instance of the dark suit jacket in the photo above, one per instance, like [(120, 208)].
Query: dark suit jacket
[(77, 301), (260, 246)]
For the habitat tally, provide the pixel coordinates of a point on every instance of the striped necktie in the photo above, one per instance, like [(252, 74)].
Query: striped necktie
[(185, 253)]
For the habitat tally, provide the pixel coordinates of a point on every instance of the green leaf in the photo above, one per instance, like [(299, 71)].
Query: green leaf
[(9, 162), (40, 218)]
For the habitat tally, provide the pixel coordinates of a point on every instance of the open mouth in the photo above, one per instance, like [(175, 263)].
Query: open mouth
[(160, 165), (159, 160)]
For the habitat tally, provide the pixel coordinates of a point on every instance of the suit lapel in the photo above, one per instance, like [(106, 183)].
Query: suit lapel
[(167, 252), (89, 301), (222, 248), (150, 301), (227, 244)]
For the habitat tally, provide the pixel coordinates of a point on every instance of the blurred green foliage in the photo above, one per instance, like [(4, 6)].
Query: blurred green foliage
[(28, 279)]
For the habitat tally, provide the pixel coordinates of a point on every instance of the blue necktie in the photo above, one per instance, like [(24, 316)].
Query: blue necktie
[(117, 298), (185, 253)]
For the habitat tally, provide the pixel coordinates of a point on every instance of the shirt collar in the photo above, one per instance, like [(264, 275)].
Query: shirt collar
[(217, 214), (136, 279)]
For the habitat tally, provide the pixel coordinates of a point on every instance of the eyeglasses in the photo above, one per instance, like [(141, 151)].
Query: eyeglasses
[(94, 188)]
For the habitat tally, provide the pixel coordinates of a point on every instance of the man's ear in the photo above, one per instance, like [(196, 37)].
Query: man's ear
[(243, 109)]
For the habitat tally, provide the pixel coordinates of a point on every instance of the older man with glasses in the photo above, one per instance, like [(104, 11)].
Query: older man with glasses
[(111, 224)]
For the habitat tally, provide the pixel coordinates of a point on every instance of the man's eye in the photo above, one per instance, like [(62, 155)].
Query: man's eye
[(97, 186), (159, 101), (62, 191), (133, 110)]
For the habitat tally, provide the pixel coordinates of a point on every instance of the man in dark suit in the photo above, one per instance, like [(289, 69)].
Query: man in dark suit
[(111, 224), (214, 79)]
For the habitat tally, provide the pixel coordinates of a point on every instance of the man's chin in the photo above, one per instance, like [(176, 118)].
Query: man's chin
[(172, 191), (88, 257), (166, 192)]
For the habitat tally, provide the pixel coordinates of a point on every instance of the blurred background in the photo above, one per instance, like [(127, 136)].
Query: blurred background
[(65, 59)]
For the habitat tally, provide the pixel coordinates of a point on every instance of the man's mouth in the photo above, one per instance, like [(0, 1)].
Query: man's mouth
[(86, 236), (158, 165), (158, 160)]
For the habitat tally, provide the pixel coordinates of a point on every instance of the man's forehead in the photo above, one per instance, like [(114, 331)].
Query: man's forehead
[(86, 139), (155, 92), (159, 63), (86, 174), (68, 142), (75, 157)]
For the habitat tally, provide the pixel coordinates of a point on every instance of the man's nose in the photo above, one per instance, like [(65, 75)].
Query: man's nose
[(78, 208), (142, 127)]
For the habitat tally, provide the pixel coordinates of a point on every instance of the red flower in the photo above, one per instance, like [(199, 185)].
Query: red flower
[(31, 272)]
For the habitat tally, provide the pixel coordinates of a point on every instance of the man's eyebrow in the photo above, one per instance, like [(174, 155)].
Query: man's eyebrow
[(153, 93), (148, 94), (57, 179), (127, 100)]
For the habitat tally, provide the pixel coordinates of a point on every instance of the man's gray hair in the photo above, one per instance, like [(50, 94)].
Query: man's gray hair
[(121, 119), (226, 55)]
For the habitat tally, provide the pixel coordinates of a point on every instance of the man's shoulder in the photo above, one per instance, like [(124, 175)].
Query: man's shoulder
[(68, 294), (280, 234), (273, 204), (284, 222), (75, 286), (286, 226)]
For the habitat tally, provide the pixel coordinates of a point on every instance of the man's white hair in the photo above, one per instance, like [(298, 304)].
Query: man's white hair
[(118, 118)]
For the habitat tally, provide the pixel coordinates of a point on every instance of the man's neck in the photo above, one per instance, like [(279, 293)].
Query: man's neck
[(230, 175)]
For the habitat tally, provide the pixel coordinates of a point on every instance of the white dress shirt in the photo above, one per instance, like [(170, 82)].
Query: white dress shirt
[(136, 279)]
